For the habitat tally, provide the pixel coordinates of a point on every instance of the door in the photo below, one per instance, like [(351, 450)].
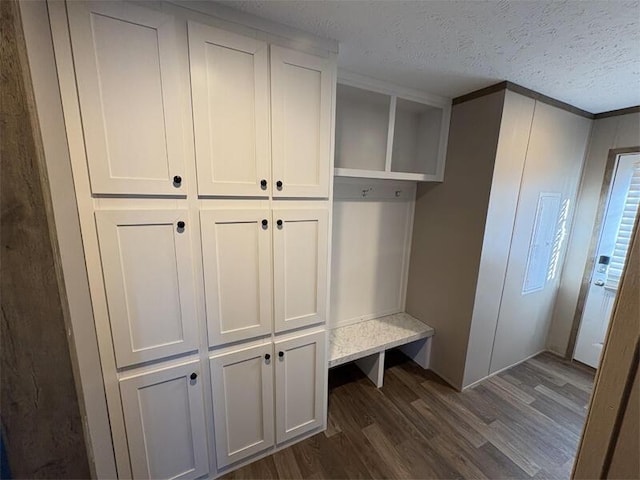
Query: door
[(236, 254), (230, 95), (164, 417), (126, 67), (147, 269), (300, 385), (615, 235), (301, 99), (242, 383), (299, 267)]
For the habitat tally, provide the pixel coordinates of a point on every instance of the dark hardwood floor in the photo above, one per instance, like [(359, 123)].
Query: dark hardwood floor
[(523, 423)]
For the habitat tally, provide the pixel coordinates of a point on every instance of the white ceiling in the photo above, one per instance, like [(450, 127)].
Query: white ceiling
[(586, 53)]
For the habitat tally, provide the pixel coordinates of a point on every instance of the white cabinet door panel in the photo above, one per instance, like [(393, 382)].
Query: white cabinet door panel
[(236, 251), (147, 268), (301, 99), (164, 416), (300, 385), (242, 383), (300, 267), (229, 78), (130, 98)]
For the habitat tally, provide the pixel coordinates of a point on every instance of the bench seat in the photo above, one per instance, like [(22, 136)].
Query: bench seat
[(365, 342)]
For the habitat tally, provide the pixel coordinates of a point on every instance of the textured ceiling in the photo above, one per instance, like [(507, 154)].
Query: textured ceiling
[(586, 53)]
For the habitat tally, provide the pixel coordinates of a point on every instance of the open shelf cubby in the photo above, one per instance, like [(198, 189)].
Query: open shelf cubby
[(388, 132), (362, 126)]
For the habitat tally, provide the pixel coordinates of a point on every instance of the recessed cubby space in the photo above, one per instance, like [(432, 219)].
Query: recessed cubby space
[(416, 138), (388, 132), (362, 125)]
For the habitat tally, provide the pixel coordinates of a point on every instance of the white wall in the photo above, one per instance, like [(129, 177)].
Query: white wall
[(613, 132), (541, 149), (371, 239), (448, 231), (517, 117), (555, 156)]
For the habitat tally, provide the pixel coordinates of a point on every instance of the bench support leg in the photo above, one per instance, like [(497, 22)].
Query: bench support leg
[(418, 351), (373, 367)]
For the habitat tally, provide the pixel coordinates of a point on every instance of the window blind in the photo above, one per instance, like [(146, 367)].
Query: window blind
[(623, 237)]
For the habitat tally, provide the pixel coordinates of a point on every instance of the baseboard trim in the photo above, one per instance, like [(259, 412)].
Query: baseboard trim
[(467, 387)]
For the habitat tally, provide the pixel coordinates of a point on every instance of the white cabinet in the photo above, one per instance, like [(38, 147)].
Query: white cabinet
[(230, 96), (243, 395), (300, 386), (178, 226), (148, 276), (242, 383), (164, 416), (301, 99), (236, 255), (127, 74), (299, 267)]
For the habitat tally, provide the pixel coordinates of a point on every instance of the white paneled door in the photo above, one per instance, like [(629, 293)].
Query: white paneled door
[(299, 267), (300, 385), (127, 74), (147, 268), (236, 251), (242, 383), (230, 95), (301, 99), (164, 416)]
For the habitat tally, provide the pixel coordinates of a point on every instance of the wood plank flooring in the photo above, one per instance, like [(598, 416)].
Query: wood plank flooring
[(523, 423)]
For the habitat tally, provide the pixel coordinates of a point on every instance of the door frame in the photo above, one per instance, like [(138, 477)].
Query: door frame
[(607, 180), (614, 379)]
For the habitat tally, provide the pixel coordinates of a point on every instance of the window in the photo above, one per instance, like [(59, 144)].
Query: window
[(625, 230)]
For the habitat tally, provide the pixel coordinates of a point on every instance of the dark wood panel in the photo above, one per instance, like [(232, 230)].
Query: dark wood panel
[(527, 92), (615, 113), (40, 412), (523, 423)]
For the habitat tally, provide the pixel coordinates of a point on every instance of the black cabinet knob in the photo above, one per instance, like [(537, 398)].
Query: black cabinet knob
[(279, 185), (279, 223), (281, 354), (177, 180), (263, 183), (267, 356), (181, 224), (193, 376), (265, 222)]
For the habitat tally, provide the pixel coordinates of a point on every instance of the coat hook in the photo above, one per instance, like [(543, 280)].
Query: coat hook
[(398, 193), (365, 191)]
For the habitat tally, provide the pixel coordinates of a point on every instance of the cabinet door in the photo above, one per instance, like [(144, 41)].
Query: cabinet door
[(164, 417), (301, 99), (230, 95), (146, 263), (130, 100), (236, 254), (242, 384), (300, 385), (300, 267)]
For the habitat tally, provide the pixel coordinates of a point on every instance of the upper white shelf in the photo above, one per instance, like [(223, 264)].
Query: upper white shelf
[(389, 132)]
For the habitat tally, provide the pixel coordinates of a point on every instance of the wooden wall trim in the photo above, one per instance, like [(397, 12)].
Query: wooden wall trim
[(483, 92), (616, 113), (527, 92), (612, 379)]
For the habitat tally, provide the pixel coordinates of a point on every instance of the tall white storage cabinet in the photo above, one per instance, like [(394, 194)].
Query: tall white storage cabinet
[(201, 157)]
